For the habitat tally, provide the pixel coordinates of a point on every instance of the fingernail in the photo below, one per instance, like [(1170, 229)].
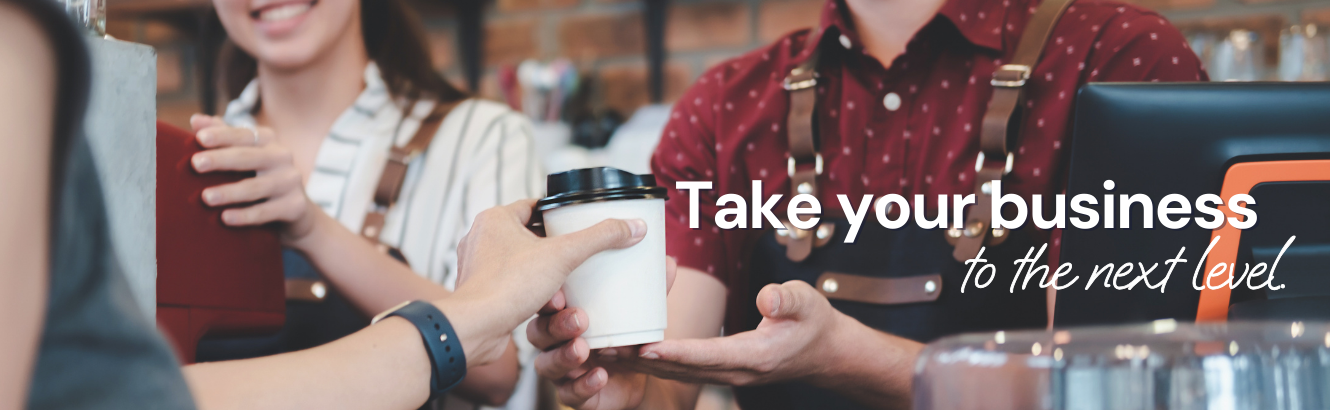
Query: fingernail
[(200, 162), (595, 380), (210, 196), (637, 227), (574, 323), (608, 355), (577, 351), (650, 355), (205, 136), (775, 305)]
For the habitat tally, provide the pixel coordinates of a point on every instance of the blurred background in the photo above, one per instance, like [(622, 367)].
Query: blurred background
[(479, 43)]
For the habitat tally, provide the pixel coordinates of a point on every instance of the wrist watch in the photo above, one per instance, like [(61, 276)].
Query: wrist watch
[(441, 342)]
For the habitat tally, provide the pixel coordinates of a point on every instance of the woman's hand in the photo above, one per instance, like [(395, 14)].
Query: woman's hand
[(276, 193), (583, 381)]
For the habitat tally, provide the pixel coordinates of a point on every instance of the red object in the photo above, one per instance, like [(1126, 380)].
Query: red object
[(212, 280), (912, 128)]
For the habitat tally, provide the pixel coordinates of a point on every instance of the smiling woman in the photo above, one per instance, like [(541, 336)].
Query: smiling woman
[(323, 93)]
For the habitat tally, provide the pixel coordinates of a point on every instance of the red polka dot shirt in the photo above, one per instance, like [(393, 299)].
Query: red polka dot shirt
[(912, 128)]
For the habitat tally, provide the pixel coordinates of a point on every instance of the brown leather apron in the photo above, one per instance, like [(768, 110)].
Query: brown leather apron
[(904, 281)]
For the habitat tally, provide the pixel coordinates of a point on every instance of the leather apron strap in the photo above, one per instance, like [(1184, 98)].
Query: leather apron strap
[(805, 163), (1000, 125), (394, 173)]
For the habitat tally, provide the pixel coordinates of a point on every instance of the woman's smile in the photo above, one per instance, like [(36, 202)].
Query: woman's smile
[(281, 18)]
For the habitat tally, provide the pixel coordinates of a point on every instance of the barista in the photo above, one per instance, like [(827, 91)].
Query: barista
[(886, 96)]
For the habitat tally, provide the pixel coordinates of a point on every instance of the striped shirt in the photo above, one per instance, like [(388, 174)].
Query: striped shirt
[(481, 157)]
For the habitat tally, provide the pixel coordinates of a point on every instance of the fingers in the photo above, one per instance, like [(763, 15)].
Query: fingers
[(576, 247), (583, 389), (286, 208), (240, 159), (521, 209), (223, 136), (253, 189), (671, 268), (702, 353), (200, 121), (556, 303), (558, 363), (794, 300), (550, 330)]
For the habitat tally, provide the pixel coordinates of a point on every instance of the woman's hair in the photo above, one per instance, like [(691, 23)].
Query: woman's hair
[(395, 40)]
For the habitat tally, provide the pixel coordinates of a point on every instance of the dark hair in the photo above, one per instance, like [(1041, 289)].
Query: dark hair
[(394, 38)]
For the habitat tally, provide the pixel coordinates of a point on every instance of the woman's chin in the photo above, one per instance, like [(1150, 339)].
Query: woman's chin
[(286, 57)]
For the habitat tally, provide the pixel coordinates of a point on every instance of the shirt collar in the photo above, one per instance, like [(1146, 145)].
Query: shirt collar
[(979, 21), (240, 111)]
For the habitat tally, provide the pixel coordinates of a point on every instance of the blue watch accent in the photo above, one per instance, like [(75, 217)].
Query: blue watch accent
[(441, 342)]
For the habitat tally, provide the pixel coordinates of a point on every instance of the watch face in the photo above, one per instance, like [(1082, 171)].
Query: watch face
[(390, 311)]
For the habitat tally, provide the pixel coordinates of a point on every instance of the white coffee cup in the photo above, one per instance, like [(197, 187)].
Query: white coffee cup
[(622, 291)]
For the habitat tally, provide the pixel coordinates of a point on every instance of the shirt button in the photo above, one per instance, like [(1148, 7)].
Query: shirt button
[(892, 101), (845, 41)]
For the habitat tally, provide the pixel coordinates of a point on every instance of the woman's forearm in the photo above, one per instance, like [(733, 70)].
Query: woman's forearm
[(383, 366), (371, 280)]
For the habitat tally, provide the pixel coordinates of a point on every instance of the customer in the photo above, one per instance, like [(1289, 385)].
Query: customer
[(901, 89), (322, 90), (74, 339)]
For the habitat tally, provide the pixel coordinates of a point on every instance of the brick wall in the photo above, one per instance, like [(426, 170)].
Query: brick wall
[(607, 38)]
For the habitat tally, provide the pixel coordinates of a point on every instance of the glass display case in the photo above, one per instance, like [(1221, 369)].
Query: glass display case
[(1159, 365)]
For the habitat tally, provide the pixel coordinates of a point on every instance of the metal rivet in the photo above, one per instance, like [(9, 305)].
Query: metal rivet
[(830, 286), (954, 232), (998, 232), (318, 290), (986, 188), (824, 231), (782, 232), (371, 231), (805, 188), (845, 41), (930, 287), (443, 338)]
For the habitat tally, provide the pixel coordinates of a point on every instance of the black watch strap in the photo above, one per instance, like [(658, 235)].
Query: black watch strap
[(441, 342)]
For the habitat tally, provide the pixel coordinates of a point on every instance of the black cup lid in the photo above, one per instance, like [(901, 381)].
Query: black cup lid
[(597, 184)]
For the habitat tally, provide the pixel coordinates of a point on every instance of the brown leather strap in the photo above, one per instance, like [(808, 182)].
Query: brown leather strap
[(1000, 123), (805, 163), (394, 171), (881, 291), (306, 290)]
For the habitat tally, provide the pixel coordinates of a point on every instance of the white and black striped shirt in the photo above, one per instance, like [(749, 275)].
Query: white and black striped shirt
[(482, 156)]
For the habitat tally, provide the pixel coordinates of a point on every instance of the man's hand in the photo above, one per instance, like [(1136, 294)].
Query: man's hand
[(510, 272), (585, 382), (796, 339)]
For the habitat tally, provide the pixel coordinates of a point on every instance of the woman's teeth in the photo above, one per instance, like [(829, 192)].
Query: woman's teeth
[(284, 12)]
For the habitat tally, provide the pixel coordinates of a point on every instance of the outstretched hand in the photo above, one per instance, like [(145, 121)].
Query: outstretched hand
[(797, 334)]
